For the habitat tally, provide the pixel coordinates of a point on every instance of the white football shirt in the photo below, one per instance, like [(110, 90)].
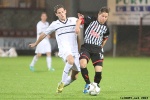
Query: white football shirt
[(65, 34), (41, 26)]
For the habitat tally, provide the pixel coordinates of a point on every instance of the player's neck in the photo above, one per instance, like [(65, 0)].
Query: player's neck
[(63, 20), (43, 21), (100, 21)]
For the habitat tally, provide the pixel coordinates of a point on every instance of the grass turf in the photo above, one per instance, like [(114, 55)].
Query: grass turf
[(123, 78)]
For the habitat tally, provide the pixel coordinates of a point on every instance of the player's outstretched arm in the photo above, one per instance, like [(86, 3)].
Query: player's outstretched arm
[(104, 42), (42, 36)]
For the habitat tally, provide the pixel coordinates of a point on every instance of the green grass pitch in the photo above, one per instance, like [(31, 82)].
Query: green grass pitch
[(123, 78)]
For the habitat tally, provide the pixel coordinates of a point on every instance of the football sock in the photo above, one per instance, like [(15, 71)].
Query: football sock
[(85, 75), (48, 60), (98, 77), (34, 60), (66, 72), (68, 81)]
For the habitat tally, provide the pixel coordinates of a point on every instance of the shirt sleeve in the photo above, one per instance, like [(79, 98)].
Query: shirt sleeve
[(87, 20), (106, 34), (39, 28), (50, 29)]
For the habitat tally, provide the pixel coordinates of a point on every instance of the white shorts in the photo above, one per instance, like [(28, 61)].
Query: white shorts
[(43, 47), (76, 65)]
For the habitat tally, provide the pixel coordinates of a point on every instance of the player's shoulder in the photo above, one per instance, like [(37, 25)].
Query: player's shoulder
[(93, 18), (40, 22), (105, 24), (56, 22), (72, 18), (47, 23)]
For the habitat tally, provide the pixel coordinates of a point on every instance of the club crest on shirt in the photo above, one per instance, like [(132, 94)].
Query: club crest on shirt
[(94, 34)]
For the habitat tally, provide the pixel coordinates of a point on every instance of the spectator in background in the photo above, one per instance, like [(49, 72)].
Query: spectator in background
[(44, 47)]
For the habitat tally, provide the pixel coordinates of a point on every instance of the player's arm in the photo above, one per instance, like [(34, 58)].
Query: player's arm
[(79, 22), (42, 36), (104, 42), (105, 38), (48, 31)]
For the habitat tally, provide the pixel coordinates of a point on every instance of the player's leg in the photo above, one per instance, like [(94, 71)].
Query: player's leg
[(67, 68), (97, 60), (74, 72), (34, 60), (49, 61), (71, 78), (84, 58)]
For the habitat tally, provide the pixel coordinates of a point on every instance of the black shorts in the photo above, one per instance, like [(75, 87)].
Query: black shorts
[(96, 57)]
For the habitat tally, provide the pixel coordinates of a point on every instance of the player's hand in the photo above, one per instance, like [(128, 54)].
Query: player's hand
[(80, 16), (77, 30), (48, 36), (32, 45)]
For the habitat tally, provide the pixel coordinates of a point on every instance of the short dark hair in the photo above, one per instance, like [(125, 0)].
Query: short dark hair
[(104, 9), (43, 13), (57, 7)]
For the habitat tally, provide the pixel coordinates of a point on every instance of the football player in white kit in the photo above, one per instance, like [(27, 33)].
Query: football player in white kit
[(65, 32), (44, 47)]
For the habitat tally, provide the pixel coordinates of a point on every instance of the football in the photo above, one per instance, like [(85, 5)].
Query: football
[(94, 90)]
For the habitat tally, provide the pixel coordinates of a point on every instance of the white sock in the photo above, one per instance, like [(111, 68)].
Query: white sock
[(66, 72), (34, 60), (68, 81), (48, 60)]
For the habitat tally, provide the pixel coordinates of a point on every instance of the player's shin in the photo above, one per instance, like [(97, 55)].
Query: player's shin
[(66, 70), (97, 77), (48, 60), (64, 77), (34, 60), (68, 81), (85, 75)]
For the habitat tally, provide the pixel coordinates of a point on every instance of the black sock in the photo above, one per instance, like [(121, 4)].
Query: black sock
[(85, 75), (98, 77)]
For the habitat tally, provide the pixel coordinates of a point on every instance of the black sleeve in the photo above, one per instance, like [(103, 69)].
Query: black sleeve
[(88, 20), (107, 33)]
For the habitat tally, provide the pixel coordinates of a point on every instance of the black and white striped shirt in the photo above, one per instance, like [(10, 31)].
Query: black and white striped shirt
[(94, 32)]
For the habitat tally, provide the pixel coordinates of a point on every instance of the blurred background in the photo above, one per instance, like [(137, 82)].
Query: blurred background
[(129, 23)]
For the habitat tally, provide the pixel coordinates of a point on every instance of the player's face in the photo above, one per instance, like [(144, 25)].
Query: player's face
[(61, 14), (102, 17), (43, 17)]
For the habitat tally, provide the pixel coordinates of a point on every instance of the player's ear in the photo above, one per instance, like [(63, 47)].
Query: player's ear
[(65, 11), (56, 14)]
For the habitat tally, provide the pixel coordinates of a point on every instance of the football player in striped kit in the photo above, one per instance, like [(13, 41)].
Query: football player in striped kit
[(95, 36)]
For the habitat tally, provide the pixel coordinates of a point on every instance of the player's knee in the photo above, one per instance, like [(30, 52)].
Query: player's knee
[(98, 68), (48, 54), (39, 55), (83, 64), (70, 59)]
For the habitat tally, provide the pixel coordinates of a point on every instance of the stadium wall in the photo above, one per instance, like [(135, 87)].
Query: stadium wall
[(25, 20)]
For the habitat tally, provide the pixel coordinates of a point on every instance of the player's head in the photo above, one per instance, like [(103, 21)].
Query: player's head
[(60, 12), (43, 16), (103, 15)]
